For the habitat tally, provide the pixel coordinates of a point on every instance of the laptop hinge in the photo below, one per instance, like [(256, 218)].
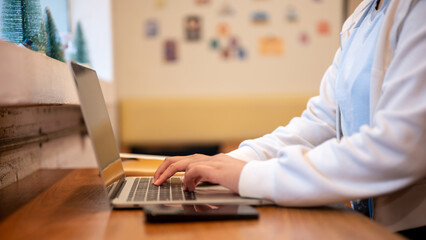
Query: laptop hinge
[(116, 191)]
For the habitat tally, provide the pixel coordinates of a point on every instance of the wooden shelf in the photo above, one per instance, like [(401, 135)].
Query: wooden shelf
[(28, 77), (41, 125)]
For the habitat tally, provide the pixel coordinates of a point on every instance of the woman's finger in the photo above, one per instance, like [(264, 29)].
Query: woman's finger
[(194, 174), (164, 165), (171, 170), (177, 164)]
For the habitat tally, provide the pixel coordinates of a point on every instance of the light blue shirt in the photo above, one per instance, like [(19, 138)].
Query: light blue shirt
[(353, 79)]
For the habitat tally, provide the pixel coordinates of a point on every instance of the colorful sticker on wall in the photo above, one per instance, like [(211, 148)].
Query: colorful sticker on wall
[(201, 2), (323, 28), (226, 10), (226, 53), (241, 53), (170, 51), (160, 3), (228, 48), (151, 28), (233, 42), (259, 18), (271, 46), (292, 15), (223, 29), (304, 38), (214, 43), (193, 28)]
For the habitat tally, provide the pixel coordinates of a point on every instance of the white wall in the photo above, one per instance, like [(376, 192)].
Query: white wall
[(141, 71), (95, 18)]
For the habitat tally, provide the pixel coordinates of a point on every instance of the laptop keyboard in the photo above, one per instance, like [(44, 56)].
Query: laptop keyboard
[(171, 190)]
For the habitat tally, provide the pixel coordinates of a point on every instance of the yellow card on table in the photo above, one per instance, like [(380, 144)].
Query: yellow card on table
[(142, 167)]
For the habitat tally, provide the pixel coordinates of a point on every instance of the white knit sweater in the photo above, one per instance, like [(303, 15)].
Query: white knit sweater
[(306, 163)]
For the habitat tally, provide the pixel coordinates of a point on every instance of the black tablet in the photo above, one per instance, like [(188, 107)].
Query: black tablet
[(203, 212)]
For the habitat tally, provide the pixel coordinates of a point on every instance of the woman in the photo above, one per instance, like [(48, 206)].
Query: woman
[(364, 136)]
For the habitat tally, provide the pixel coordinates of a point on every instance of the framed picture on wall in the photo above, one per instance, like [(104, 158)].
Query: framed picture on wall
[(193, 28)]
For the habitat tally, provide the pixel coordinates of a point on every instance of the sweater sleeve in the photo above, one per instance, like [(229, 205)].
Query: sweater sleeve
[(386, 156), (316, 124)]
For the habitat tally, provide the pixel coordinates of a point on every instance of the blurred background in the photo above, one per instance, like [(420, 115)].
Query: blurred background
[(186, 76)]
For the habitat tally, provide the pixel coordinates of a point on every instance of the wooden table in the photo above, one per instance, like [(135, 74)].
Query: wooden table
[(71, 204)]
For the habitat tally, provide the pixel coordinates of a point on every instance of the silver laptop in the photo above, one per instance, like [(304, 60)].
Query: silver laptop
[(135, 192)]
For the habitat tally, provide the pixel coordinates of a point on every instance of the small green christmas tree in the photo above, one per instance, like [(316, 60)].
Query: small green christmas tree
[(22, 19), (41, 39), (11, 21), (81, 54), (53, 46)]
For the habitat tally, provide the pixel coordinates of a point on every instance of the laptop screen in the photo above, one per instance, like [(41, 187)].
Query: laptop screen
[(98, 124)]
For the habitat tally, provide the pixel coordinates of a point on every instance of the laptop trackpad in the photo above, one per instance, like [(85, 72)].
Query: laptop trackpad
[(204, 192)]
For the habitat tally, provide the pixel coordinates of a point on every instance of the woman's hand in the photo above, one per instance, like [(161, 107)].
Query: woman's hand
[(221, 169)]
